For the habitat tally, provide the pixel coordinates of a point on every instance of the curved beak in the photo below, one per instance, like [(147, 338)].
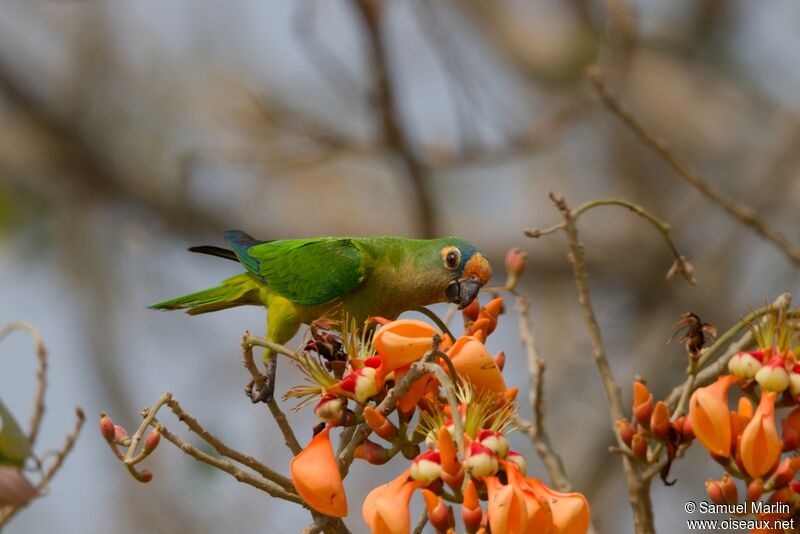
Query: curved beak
[(463, 291)]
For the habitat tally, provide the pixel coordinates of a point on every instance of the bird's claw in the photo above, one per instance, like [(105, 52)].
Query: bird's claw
[(262, 388)]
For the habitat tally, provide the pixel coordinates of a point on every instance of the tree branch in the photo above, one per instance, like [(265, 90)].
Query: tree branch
[(743, 213)]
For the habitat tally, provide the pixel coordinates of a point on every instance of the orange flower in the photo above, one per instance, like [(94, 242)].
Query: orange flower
[(508, 511), (474, 364), (659, 420), (642, 403), (710, 417), (791, 430), (540, 516), (385, 510), (404, 341), (471, 512), (486, 321), (315, 475), (760, 446), (570, 511)]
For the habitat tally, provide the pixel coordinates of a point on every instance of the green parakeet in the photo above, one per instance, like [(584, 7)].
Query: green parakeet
[(15, 448), (301, 280)]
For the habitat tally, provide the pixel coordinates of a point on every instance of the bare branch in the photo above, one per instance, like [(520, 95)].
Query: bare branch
[(745, 214), (41, 374), (536, 367), (638, 487)]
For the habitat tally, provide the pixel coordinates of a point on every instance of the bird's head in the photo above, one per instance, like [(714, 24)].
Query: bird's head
[(465, 268)]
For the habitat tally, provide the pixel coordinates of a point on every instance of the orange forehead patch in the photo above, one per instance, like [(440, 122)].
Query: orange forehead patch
[(479, 267)]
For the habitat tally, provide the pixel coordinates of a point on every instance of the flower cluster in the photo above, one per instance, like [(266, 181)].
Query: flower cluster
[(746, 441), (458, 404), (652, 428)]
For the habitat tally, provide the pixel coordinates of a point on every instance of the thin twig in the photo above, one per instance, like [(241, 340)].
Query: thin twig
[(59, 457), (638, 488), (264, 485), (225, 450), (536, 367), (41, 375), (421, 522), (743, 213), (681, 264), (248, 341)]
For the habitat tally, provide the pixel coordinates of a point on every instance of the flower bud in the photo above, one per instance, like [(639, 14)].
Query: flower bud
[(471, 312), (121, 436), (372, 452), (439, 514), (517, 459), (106, 428), (625, 431), (500, 360), (791, 431), (783, 474), (471, 512), (380, 424), (359, 385), (659, 420), (639, 445), (151, 441), (722, 491), (642, 403), (495, 441), (481, 461), (755, 489), (515, 265), (794, 380), (745, 364), (145, 476), (426, 467), (329, 408), (686, 429), (773, 376)]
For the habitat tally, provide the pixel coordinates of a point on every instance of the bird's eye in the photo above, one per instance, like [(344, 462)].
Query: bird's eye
[(451, 257)]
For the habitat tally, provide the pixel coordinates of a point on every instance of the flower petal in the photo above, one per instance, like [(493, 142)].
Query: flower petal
[(315, 475), (760, 446)]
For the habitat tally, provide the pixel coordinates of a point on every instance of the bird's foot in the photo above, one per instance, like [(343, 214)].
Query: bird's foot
[(262, 388)]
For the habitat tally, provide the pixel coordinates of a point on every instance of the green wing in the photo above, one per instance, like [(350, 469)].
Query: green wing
[(308, 271), (14, 445)]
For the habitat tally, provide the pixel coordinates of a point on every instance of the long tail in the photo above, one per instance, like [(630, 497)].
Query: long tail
[(236, 291)]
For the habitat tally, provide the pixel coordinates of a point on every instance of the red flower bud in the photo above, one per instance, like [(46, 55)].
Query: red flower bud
[(639, 446), (471, 312), (380, 424), (329, 408), (722, 491), (471, 512), (106, 428), (783, 474), (642, 403), (791, 430), (659, 420), (146, 476), (755, 489), (426, 467), (439, 514), (121, 436), (151, 441), (625, 431), (515, 260), (500, 360), (372, 452)]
